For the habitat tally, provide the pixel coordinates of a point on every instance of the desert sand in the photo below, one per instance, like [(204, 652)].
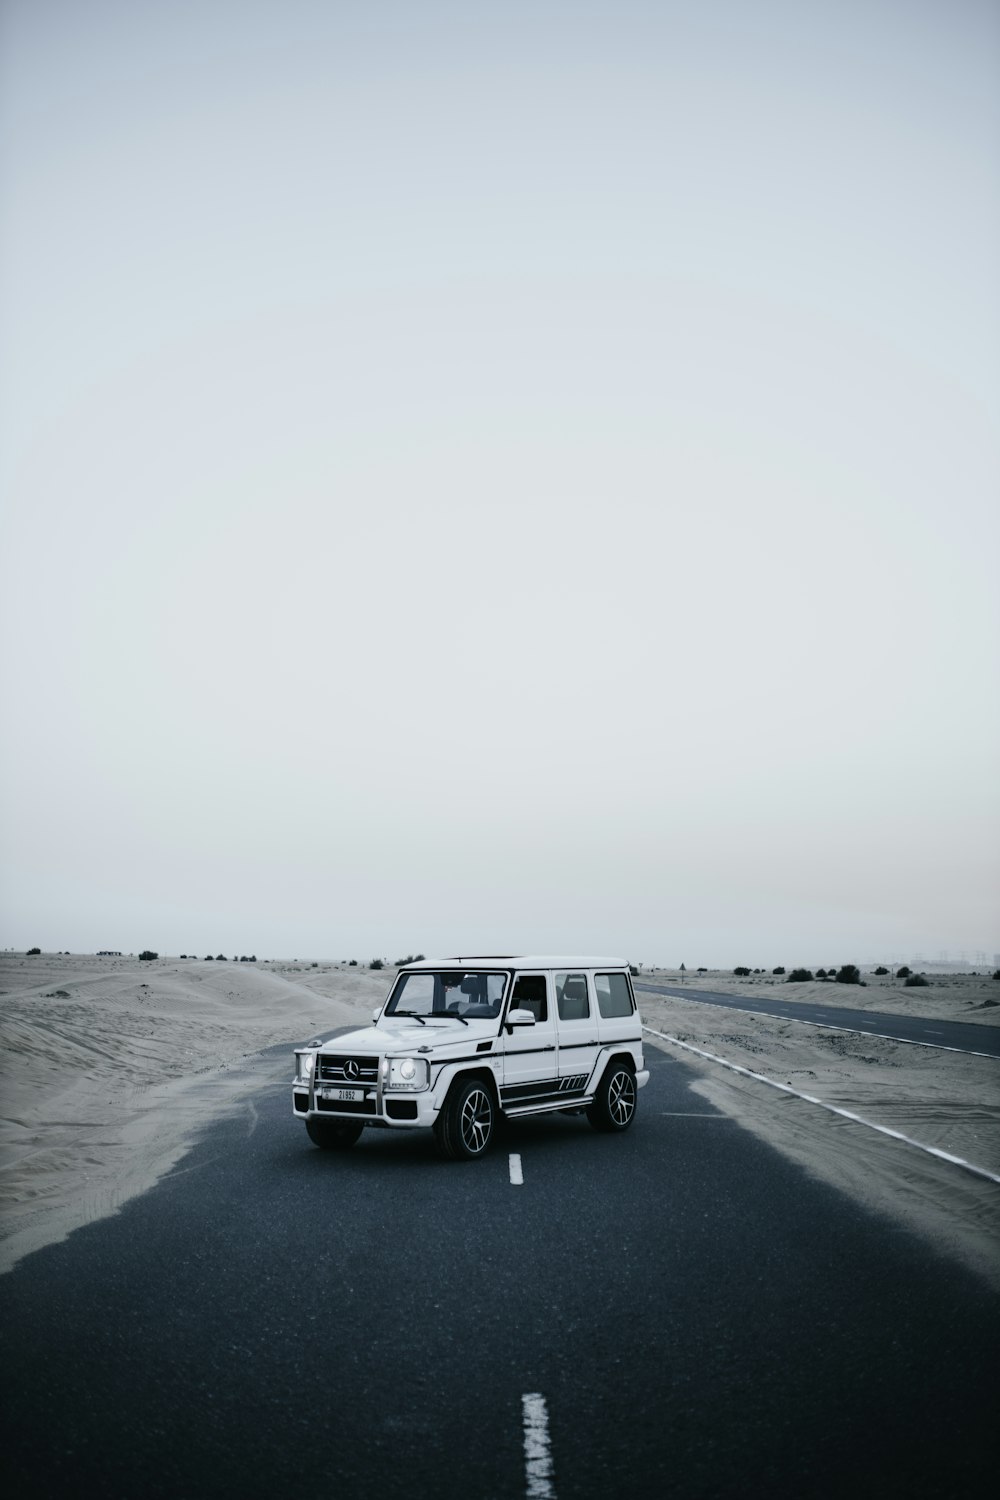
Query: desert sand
[(112, 1067)]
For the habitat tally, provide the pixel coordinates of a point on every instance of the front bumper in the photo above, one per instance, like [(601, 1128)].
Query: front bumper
[(392, 1109)]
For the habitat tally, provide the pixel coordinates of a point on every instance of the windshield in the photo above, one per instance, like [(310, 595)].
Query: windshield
[(452, 992)]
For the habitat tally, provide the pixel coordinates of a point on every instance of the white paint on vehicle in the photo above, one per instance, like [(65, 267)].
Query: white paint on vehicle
[(516, 1175), (537, 1450), (834, 1109)]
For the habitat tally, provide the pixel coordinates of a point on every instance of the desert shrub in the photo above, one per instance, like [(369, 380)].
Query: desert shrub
[(913, 981), (741, 972), (702, 971), (996, 973), (221, 958), (881, 969), (314, 966), (377, 963), (848, 974), (779, 970), (147, 953), (353, 964), (33, 952), (904, 972), (797, 976), (820, 973), (209, 959), (183, 955)]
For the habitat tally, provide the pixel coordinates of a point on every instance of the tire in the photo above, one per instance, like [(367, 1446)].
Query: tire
[(614, 1103), (333, 1135), (468, 1122)]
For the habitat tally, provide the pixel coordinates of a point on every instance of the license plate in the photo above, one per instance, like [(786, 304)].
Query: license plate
[(353, 1096)]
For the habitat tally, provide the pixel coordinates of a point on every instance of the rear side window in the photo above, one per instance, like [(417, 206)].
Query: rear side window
[(613, 995), (571, 997), (529, 994)]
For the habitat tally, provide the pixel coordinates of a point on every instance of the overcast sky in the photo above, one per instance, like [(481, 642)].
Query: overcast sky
[(501, 475)]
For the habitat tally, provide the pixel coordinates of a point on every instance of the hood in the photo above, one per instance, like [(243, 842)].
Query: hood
[(409, 1036)]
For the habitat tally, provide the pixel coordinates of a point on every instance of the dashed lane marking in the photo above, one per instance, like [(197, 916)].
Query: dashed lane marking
[(834, 1109), (516, 1175), (538, 1483)]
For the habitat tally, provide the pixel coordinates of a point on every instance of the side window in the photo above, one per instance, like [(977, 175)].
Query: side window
[(613, 996), (529, 994), (571, 997)]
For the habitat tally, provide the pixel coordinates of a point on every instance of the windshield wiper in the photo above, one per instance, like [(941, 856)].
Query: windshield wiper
[(412, 1013), (453, 1015)]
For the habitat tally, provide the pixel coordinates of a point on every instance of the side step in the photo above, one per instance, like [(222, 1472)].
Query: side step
[(577, 1102)]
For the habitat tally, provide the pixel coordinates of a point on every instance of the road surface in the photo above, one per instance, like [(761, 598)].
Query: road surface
[(675, 1312)]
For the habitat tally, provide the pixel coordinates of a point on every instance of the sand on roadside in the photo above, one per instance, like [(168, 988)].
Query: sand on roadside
[(112, 1067), (938, 1098)]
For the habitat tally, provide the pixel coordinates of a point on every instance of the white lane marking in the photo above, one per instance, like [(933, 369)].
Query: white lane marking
[(834, 1109), (885, 1036), (516, 1175), (537, 1452)]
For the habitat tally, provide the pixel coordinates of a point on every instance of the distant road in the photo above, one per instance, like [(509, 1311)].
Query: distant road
[(960, 1036)]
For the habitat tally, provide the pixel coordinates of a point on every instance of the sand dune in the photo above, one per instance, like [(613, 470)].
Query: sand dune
[(112, 1066)]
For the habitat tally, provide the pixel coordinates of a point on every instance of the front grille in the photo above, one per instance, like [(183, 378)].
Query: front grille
[(337, 1068)]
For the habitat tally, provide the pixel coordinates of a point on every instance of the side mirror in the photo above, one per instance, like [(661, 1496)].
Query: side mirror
[(376, 1013), (520, 1018)]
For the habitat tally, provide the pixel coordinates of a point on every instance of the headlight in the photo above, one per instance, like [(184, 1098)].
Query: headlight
[(304, 1062), (411, 1073)]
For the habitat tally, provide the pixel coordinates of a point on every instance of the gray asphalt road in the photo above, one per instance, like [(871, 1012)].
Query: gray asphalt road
[(701, 1318), (963, 1036)]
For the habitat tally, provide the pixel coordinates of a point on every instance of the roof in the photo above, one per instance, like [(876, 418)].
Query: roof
[(520, 961)]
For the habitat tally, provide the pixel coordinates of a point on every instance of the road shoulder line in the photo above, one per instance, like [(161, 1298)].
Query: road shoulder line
[(834, 1109)]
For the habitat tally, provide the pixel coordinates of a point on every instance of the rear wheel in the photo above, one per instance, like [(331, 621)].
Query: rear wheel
[(614, 1103), (467, 1123), (333, 1135)]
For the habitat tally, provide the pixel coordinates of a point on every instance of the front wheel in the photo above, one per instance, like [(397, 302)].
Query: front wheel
[(333, 1135), (467, 1123), (614, 1103)]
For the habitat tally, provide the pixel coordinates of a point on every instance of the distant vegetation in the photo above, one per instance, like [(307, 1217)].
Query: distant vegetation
[(411, 958), (996, 973), (913, 981), (377, 963), (33, 952), (147, 954), (798, 976), (881, 969), (353, 964), (741, 972), (848, 974), (904, 972), (779, 970)]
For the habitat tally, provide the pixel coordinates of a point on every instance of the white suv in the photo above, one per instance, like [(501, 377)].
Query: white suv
[(462, 1042)]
